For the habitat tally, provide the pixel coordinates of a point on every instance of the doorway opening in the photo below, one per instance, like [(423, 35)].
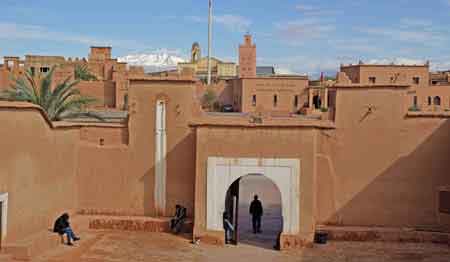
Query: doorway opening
[(237, 205)]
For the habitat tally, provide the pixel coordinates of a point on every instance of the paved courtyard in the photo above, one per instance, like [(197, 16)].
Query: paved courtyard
[(124, 246)]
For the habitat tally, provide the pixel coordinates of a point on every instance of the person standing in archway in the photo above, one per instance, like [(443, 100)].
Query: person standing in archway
[(256, 210)]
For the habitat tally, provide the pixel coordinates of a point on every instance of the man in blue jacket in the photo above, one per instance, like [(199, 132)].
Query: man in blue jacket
[(62, 227)]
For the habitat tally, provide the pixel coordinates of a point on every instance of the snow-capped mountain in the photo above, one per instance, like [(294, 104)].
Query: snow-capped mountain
[(158, 60)]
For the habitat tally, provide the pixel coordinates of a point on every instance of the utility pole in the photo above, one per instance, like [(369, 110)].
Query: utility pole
[(210, 21)]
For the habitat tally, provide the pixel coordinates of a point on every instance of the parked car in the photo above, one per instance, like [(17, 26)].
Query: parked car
[(227, 108)]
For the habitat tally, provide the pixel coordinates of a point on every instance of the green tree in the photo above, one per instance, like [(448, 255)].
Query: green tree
[(208, 99), (64, 101), (82, 73)]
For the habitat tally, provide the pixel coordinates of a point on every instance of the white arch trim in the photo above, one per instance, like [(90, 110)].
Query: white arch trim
[(222, 172), (4, 213), (160, 157)]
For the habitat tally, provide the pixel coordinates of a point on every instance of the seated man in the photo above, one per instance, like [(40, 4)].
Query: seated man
[(176, 223), (62, 227)]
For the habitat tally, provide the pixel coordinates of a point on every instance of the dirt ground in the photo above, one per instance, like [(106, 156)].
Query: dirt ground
[(123, 246)]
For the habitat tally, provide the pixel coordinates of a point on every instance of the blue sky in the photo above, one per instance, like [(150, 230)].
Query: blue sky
[(303, 36)]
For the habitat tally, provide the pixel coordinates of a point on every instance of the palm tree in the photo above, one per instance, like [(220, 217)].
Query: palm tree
[(82, 73), (208, 99), (64, 101)]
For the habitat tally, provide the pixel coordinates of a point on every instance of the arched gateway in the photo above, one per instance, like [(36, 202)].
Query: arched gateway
[(222, 172)]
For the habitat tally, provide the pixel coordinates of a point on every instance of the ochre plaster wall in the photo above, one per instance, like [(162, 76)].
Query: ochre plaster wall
[(257, 142), (443, 92), (384, 73), (285, 89), (108, 135), (38, 170), (119, 179), (381, 168), (103, 91)]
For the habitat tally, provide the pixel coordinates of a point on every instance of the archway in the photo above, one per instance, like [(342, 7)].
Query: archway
[(237, 204), (223, 172)]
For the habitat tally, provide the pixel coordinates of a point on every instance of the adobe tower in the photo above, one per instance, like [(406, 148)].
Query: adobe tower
[(247, 58)]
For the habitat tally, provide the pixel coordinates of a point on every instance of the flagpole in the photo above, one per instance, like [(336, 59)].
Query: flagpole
[(209, 41)]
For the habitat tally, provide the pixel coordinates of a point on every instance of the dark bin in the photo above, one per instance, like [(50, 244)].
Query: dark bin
[(320, 237)]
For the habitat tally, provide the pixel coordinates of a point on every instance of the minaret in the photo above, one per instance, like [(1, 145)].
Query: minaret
[(247, 58), (209, 41)]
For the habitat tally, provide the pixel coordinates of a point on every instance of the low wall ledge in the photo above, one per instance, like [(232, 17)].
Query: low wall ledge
[(442, 114), (18, 106)]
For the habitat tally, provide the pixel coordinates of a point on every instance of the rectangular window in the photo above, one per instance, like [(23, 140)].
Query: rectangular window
[(44, 69), (275, 100), (254, 100), (372, 80), (33, 71), (429, 100), (416, 80), (415, 101), (296, 101)]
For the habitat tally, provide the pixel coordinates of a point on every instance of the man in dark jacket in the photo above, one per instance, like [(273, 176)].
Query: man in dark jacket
[(176, 223), (62, 227), (256, 210)]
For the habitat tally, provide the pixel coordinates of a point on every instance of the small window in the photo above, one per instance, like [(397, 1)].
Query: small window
[(437, 101), (372, 80), (125, 102), (429, 100), (416, 80), (317, 102), (275, 100), (444, 202), (296, 101), (33, 70), (415, 101), (44, 69), (254, 100)]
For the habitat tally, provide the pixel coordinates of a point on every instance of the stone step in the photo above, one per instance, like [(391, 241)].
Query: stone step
[(5, 258), (40, 242), (384, 234), (135, 223)]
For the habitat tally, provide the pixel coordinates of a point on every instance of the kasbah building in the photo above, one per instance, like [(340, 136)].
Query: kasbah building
[(369, 150)]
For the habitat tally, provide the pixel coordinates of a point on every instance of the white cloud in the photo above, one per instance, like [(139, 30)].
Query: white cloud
[(299, 31), (428, 37), (234, 23), (305, 8), (310, 10), (396, 61), (12, 31), (415, 22), (304, 65), (355, 45)]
